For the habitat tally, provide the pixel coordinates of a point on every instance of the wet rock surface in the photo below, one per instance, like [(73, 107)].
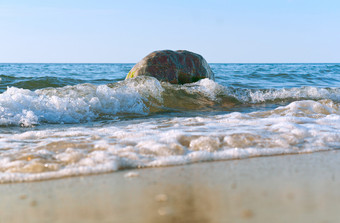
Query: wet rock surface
[(176, 67)]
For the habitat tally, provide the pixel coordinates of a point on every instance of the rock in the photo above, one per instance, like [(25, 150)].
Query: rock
[(176, 67)]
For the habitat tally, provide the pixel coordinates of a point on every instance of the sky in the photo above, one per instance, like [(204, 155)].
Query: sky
[(222, 31)]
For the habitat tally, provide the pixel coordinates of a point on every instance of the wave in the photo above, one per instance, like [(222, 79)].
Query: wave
[(257, 96), (47, 153), (34, 83), (140, 96)]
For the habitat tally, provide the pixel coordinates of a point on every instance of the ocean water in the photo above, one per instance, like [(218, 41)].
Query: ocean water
[(60, 120)]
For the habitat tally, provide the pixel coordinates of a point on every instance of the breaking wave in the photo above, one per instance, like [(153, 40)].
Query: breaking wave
[(47, 153), (140, 96)]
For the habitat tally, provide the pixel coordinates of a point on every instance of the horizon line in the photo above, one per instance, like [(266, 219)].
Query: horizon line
[(137, 62)]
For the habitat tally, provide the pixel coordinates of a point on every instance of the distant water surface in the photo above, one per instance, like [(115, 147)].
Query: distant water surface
[(60, 120)]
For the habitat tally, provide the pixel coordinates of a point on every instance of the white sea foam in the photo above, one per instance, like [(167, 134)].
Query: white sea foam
[(75, 104), (258, 96), (299, 127), (87, 102)]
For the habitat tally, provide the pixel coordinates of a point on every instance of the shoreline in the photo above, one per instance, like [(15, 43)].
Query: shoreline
[(295, 188)]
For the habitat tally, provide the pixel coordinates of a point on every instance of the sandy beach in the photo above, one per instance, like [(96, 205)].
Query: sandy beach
[(293, 188)]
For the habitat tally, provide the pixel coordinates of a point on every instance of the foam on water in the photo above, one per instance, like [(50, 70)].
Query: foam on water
[(103, 124), (74, 104), (300, 127), (145, 95)]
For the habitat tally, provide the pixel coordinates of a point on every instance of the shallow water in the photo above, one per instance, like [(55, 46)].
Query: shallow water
[(60, 120)]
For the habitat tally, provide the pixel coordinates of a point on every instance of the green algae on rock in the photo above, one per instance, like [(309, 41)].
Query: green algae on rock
[(176, 67)]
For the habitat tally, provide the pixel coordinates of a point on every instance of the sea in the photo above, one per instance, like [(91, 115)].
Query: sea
[(63, 120)]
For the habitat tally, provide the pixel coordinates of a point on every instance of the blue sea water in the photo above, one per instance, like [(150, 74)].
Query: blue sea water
[(60, 120)]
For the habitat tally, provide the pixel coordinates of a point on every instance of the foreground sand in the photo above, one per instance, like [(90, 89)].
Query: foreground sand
[(295, 188)]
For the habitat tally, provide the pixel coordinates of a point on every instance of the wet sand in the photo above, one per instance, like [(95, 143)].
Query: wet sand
[(291, 188)]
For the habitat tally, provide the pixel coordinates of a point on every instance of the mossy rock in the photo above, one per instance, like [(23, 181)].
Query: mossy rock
[(176, 67)]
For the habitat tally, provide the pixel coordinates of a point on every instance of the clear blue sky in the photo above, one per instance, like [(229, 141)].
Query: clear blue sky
[(125, 31)]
